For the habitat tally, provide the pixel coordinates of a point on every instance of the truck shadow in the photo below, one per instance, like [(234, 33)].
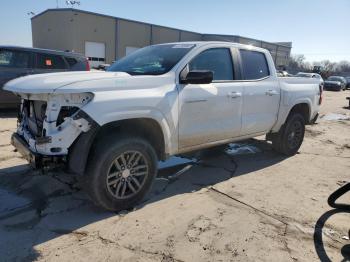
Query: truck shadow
[(43, 207), (213, 166)]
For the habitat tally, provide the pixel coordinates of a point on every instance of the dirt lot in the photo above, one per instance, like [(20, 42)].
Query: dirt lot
[(225, 207)]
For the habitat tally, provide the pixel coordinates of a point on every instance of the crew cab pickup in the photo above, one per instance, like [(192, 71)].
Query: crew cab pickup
[(113, 127)]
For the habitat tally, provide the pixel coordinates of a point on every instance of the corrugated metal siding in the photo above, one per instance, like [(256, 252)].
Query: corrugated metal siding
[(164, 35), (132, 34), (68, 29), (48, 31)]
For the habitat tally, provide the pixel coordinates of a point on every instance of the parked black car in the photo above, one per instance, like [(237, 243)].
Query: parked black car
[(21, 61), (347, 82), (336, 83)]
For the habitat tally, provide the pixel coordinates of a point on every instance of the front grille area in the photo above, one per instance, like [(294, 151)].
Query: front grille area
[(35, 115)]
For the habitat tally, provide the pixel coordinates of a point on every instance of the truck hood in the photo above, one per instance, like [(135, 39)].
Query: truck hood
[(53, 82)]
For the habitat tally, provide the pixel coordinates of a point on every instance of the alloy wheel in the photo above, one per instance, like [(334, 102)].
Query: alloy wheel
[(127, 174)]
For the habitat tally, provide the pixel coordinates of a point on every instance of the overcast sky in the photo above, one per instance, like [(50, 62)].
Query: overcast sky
[(318, 28)]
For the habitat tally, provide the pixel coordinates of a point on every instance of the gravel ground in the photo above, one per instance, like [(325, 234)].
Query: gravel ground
[(252, 206)]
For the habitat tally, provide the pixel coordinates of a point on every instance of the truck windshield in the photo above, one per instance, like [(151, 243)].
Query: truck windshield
[(152, 60)]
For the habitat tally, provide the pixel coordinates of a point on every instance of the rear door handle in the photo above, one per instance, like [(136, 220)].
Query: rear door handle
[(271, 93), (196, 101), (234, 94)]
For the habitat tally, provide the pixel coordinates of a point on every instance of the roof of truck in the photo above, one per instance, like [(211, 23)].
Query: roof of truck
[(203, 43)]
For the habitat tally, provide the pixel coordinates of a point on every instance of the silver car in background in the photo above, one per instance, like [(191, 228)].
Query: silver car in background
[(311, 75)]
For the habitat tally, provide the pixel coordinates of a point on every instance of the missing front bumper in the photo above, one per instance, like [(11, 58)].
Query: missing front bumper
[(23, 148), (36, 160)]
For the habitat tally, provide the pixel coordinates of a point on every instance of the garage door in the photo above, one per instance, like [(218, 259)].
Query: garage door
[(96, 53)]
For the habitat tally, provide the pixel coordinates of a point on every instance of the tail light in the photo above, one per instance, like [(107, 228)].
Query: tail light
[(321, 94), (87, 65)]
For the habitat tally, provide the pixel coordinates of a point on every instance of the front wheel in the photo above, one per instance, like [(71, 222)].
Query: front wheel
[(120, 172), (291, 135)]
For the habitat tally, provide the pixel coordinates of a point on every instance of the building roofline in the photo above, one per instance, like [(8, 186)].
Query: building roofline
[(112, 17), (249, 38), (150, 24)]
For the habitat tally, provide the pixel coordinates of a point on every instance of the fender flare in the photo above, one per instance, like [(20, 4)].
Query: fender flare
[(80, 149), (283, 114)]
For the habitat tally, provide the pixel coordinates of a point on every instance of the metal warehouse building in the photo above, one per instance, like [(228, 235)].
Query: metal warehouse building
[(104, 39)]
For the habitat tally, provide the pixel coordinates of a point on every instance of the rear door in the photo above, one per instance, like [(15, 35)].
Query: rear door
[(13, 63), (261, 93), (210, 112), (49, 63)]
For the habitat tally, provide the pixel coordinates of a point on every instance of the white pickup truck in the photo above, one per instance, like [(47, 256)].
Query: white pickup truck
[(113, 127)]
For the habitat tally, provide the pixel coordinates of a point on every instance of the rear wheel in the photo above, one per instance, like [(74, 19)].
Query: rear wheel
[(120, 172), (291, 135)]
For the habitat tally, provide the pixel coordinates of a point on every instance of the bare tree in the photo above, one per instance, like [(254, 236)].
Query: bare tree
[(343, 67), (297, 63)]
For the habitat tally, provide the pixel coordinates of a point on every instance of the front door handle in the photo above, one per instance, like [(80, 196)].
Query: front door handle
[(271, 93), (234, 94)]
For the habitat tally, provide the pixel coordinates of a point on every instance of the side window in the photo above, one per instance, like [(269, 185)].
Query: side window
[(71, 61), (13, 58), (48, 61), (217, 60), (254, 65)]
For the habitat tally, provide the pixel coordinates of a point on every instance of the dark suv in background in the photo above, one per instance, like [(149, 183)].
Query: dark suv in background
[(20, 61), (347, 82), (337, 83)]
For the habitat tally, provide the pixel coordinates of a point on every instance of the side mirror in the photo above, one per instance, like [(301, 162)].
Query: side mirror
[(197, 77)]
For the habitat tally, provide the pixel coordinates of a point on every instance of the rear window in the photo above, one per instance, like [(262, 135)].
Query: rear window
[(48, 61), (13, 58), (254, 65), (71, 61)]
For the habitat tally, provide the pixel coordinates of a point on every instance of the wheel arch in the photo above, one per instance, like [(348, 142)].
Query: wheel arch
[(302, 108), (144, 127)]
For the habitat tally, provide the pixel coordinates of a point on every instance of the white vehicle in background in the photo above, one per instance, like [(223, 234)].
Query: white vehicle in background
[(283, 73), (113, 127), (311, 75)]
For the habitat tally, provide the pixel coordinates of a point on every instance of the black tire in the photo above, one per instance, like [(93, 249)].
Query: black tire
[(102, 167), (291, 135)]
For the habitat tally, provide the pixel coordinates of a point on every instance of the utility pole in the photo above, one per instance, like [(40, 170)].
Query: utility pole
[(57, 4)]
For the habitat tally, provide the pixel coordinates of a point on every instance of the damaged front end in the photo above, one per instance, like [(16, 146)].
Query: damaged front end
[(48, 125)]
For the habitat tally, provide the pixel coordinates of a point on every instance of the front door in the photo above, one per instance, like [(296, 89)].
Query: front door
[(210, 112)]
